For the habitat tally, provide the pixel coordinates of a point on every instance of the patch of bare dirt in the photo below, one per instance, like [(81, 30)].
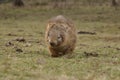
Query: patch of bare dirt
[(9, 43), (20, 39), (19, 50), (11, 34), (91, 54)]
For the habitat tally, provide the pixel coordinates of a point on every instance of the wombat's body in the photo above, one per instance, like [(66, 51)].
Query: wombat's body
[(60, 36)]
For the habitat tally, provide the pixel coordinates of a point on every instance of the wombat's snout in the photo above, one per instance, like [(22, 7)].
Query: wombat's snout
[(52, 44)]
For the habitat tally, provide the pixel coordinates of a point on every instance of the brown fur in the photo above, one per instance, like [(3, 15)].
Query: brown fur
[(60, 36)]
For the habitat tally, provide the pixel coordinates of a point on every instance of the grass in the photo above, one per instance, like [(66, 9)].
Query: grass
[(96, 57)]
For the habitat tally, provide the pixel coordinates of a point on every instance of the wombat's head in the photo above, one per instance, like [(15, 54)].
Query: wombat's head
[(55, 36)]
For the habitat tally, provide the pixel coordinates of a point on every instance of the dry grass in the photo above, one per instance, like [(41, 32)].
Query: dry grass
[(96, 57)]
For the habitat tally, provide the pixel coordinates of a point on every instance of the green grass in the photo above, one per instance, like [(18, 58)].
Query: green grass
[(35, 63)]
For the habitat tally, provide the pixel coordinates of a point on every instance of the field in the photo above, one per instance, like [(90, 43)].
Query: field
[(24, 55)]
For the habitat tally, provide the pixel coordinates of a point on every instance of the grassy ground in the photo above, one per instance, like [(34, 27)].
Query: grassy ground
[(96, 57)]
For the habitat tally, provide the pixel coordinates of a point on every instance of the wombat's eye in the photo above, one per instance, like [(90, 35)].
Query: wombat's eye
[(59, 38), (48, 34)]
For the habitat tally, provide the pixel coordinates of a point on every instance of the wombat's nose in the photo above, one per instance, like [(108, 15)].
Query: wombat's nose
[(52, 44)]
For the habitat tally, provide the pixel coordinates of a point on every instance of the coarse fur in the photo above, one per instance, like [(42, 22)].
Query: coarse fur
[(60, 36)]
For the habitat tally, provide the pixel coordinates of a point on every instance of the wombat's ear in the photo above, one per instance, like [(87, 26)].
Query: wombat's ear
[(67, 28), (51, 25)]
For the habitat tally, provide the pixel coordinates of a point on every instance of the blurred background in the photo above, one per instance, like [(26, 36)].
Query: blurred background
[(84, 10), (62, 3)]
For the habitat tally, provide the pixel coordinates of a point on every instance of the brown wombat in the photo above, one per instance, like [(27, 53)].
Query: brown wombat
[(60, 36)]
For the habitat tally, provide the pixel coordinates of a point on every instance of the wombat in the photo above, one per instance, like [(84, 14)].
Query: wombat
[(60, 36)]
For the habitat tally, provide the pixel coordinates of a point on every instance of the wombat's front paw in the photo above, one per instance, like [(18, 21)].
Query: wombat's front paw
[(54, 55)]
